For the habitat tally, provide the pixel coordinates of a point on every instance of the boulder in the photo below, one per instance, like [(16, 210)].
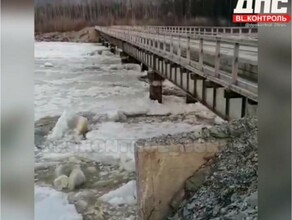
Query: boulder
[(61, 182), (76, 178), (63, 170)]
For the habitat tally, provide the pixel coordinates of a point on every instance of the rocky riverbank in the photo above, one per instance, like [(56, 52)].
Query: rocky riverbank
[(226, 186), (223, 188), (86, 35)]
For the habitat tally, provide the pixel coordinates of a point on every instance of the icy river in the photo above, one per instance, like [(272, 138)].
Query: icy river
[(88, 80)]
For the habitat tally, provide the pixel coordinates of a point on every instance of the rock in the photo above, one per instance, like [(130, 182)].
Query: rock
[(92, 170), (76, 178), (218, 120), (71, 197), (81, 206), (63, 169), (117, 117), (252, 200), (177, 199), (74, 160), (103, 183), (194, 182), (127, 163), (82, 126), (131, 217), (61, 182), (229, 189), (98, 210), (219, 132)]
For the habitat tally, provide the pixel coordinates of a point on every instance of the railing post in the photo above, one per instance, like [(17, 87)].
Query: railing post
[(171, 45), (235, 63), (217, 57), (179, 48), (164, 43), (201, 53), (189, 49)]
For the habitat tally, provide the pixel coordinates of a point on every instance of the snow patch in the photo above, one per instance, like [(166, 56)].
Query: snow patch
[(69, 121), (126, 194), (218, 120), (51, 204), (107, 53), (61, 127), (47, 64)]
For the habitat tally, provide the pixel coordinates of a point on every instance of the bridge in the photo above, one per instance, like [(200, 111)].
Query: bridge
[(216, 66)]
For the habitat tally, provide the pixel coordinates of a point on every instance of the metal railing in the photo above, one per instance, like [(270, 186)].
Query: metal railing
[(180, 49), (248, 31)]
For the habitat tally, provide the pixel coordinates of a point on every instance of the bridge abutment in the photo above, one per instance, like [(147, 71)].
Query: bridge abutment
[(155, 88), (162, 171)]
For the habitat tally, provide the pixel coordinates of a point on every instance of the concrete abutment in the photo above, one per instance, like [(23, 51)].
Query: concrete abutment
[(162, 171)]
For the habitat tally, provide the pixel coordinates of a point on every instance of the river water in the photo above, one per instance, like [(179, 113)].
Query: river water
[(79, 78)]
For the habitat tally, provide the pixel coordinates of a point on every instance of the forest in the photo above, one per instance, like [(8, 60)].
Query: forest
[(70, 15)]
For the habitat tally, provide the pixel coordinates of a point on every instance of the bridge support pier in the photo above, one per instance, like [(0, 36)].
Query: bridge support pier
[(155, 89), (190, 99), (144, 67), (113, 48), (125, 58), (251, 107), (102, 41)]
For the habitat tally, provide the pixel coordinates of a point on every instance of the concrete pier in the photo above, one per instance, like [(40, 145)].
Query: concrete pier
[(125, 58), (155, 87), (190, 99)]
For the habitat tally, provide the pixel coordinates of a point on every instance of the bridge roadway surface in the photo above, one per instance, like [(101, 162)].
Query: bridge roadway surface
[(248, 51), (228, 61)]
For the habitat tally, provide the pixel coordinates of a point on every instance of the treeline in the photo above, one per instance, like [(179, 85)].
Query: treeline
[(66, 15)]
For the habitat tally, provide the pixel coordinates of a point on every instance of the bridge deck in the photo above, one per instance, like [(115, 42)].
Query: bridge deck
[(228, 60)]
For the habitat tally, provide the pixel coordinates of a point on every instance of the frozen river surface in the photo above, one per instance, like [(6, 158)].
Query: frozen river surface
[(79, 78)]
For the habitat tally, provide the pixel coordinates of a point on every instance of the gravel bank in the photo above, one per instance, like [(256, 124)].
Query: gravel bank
[(226, 187), (86, 35)]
